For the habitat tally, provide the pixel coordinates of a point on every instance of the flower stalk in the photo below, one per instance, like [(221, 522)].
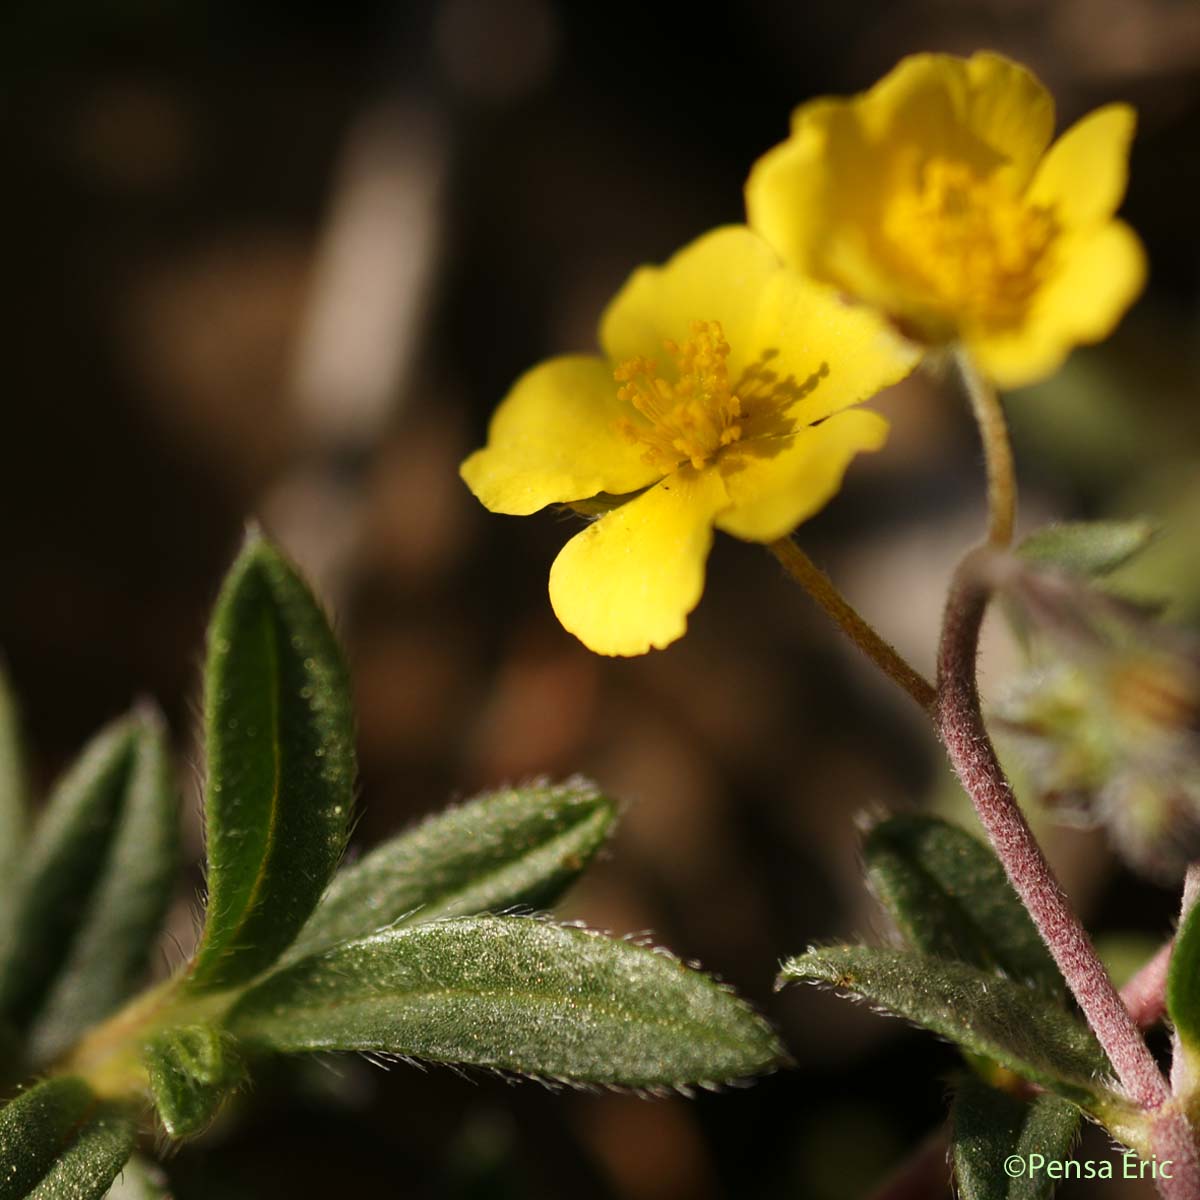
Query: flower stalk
[(997, 450), (960, 724), (882, 653), (1145, 995)]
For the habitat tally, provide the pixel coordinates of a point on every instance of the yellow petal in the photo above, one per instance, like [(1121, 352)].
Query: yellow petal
[(788, 186), (919, 101), (717, 277), (775, 487), (1083, 175), (816, 353), (986, 110), (555, 438), (627, 583), (1103, 271), (1008, 108), (820, 198), (816, 199), (793, 342)]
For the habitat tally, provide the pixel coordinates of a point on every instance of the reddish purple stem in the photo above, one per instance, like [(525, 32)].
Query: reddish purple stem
[(1145, 995), (960, 724)]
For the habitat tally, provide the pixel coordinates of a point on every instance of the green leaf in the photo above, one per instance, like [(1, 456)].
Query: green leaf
[(191, 1068), (139, 1180), (75, 861), (1183, 989), (518, 846), (1087, 547), (59, 1142), (280, 750), (13, 789), (950, 898), (111, 946), (516, 994), (990, 1127), (984, 1013)]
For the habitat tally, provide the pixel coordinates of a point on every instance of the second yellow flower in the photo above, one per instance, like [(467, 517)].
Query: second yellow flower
[(720, 402)]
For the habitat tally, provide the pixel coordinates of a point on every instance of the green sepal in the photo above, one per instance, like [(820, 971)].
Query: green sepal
[(949, 897), (519, 846), (14, 789), (279, 742), (59, 1142), (192, 1069), (599, 504), (989, 1127), (1090, 548), (515, 994), (78, 860), (984, 1013), (111, 946)]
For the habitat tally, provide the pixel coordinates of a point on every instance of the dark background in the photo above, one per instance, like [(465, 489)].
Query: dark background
[(283, 260)]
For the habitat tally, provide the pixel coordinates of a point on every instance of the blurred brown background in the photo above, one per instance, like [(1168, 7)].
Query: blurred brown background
[(282, 260)]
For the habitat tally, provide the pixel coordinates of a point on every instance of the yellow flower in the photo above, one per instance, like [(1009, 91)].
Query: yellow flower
[(718, 402), (934, 198)]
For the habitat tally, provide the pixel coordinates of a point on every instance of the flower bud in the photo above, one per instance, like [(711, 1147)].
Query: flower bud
[(1108, 720)]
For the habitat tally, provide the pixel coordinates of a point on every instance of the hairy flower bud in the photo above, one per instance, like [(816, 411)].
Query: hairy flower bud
[(1107, 719)]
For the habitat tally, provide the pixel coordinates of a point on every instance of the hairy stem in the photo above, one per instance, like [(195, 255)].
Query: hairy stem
[(820, 587), (997, 451), (109, 1055), (1145, 995), (960, 724), (1172, 1140)]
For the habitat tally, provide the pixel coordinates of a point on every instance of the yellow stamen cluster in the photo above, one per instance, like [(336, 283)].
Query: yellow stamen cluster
[(687, 420), (972, 245)]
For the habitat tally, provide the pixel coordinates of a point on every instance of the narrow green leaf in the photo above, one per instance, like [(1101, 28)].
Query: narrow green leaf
[(984, 1013), (948, 895), (1183, 988), (517, 846), (110, 948), (517, 994), (13, 789), (991, 1128), (139, 1180), (280, 750), (59, 1142), (191, 1069), (1087, 547), (63, 867)]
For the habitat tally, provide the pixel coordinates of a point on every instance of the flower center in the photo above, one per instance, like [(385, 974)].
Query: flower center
[(689, 418), (976, 249)]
